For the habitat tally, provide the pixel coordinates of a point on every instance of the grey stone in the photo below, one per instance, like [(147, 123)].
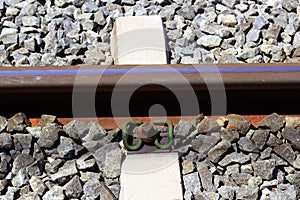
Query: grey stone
[(281, 20), (10, 194), (189, 60), (296, 41), (5, 141), (76, 129), (95, 137), (52, 167), (37, 185), (284, 191), (242, 7), (106, 193), (47, 119), (99, 18), (3, 184), (268, 184), (3, 59), (215, 153), (115, 189), (85, 176), (240, 38), (56, 192), (89, 7), (227, 192), (234, 158), (25, 190), (30, 44), (207, 125), (206, 179), (266, 153), (192, 183), (209, 41), (21, 161), (109, 159), (240, 178), (291, 5), (92, 188), (128, 2), (296, 183), (274, 122), (187, 166), (264, 168), (229, 3), (296, 163), (35, 131), (3, 122), (260, 22), (48, 59), (69, 168), (36, 168), (256, 59), (273, 32), (273, 141), (247, 192), (20, 179), (229, 20), (187, 12), (30, 21), (224, 32), (247, 168), (279, 160), (29, 195), (66, 147), (94, 55), (17, 122), (286, 152), (38, 154), (203, 143), (246, 145), (228, 59), (249, 53), (292, 135), (22, 141), (49, 136), (260, 138), (167, 12), (86, 161), (230, 135), (238, 122), (73, 188), (9, 35), (253, 35), (255, 181), (174, 34)]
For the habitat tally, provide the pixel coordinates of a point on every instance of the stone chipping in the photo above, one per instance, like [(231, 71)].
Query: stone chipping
[(65, 32), (236, 160)]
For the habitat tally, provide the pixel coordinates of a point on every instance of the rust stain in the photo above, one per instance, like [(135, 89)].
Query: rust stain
[(110, 123)]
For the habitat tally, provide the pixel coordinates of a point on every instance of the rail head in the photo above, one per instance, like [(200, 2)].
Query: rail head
[(150, 77)]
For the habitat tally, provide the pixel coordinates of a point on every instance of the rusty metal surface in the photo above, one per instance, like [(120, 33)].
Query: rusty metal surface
[(109, 123), (250, 88)]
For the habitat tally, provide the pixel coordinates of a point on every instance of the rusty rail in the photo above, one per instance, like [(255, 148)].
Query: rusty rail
[(250, 89)]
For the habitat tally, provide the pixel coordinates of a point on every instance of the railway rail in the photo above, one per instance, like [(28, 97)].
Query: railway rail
[(252, 89)]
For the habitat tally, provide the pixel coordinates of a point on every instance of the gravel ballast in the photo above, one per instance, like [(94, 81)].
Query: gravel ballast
[(231, 159), (64, 32)]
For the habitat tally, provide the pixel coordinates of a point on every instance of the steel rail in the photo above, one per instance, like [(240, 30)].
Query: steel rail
[(250, 88)]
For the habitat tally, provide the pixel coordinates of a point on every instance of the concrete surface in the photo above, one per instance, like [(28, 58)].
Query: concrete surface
[(151, 176), (138, 40)]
